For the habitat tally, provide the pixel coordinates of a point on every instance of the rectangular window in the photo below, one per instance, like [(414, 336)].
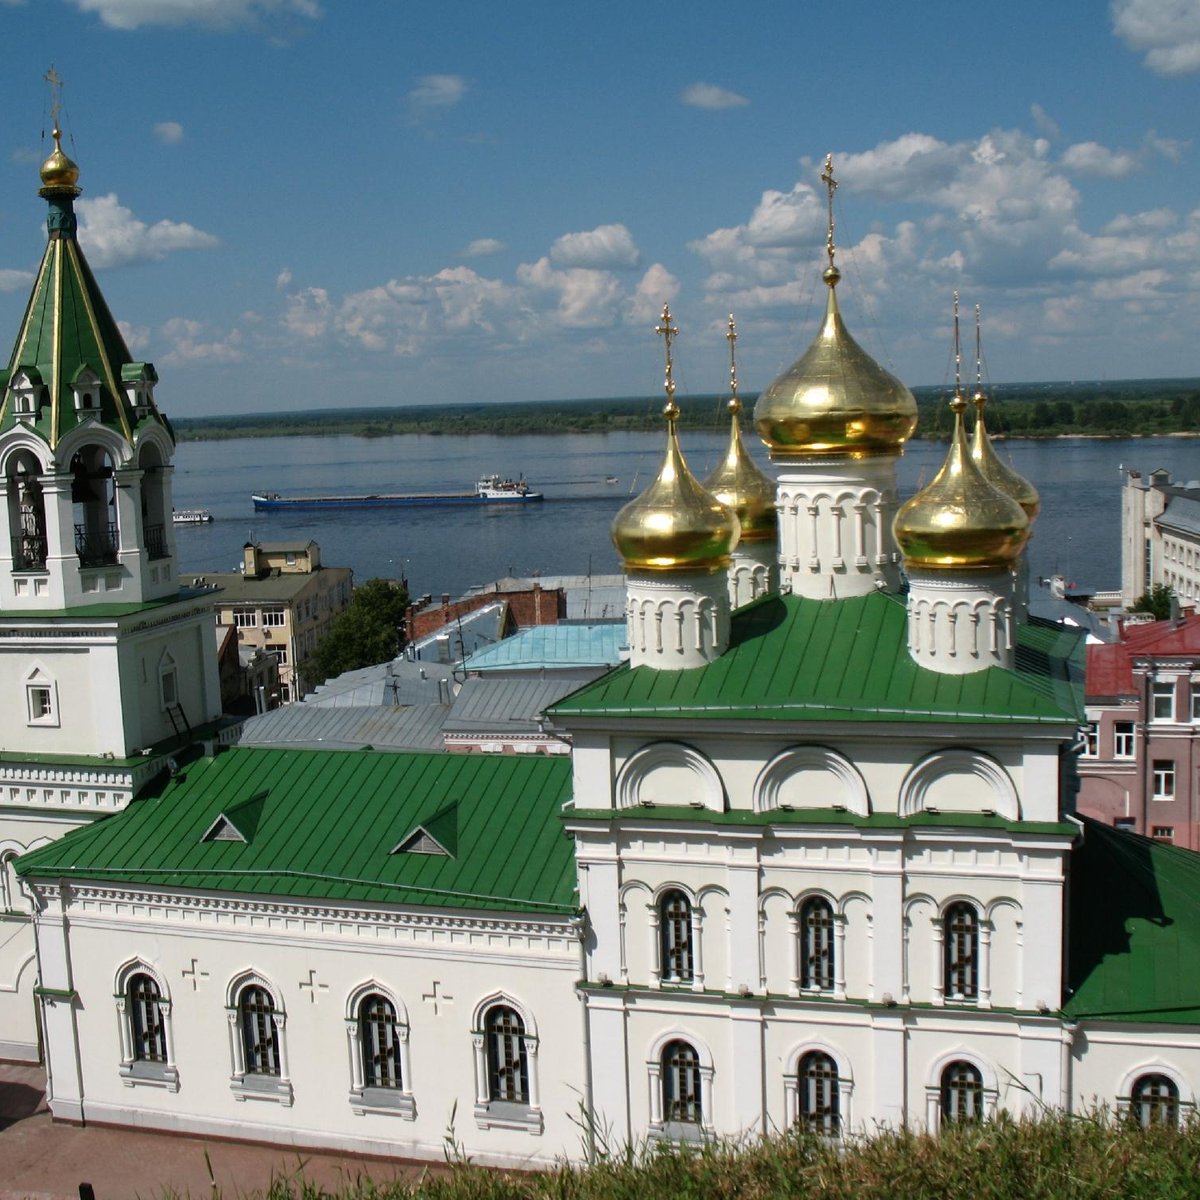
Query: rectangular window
[(1163, 700), (1196, 701), (281, 655), (245, 618), (1123, 739), (169, 682), (41, 704), (1164, 779), (1091, 739), (1163, 833), (273, 617)]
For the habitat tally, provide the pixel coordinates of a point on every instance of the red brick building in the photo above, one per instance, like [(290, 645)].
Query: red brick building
[(1140, 764)]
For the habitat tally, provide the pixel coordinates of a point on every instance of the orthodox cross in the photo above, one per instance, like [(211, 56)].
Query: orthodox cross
[(668, 331), (735, 404), (830, 186)]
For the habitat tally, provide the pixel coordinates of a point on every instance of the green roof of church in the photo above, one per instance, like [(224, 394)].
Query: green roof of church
[(795, 659), (68, 327), (324, 825), (1134, 947)]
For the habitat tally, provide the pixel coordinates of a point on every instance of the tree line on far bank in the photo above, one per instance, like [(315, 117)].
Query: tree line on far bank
[(1137, 408)]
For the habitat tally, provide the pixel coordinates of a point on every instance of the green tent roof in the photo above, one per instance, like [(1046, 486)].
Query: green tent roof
[(796, 659), (1134, 946), (323, 824)]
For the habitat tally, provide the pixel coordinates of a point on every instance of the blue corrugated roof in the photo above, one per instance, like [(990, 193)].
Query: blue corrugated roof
[(550, 646)]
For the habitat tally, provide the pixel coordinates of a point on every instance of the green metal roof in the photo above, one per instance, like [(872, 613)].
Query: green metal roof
[(102, 612), (68, 327), (1134, 948), (795, 659), (322, 825)]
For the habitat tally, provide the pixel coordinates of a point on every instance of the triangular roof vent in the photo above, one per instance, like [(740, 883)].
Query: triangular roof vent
[(238, 823), (437, 835)]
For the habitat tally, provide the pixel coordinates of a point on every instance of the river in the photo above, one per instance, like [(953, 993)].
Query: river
[(449, 549)]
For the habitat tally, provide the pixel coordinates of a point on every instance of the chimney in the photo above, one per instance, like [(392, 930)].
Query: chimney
[(250, 560)]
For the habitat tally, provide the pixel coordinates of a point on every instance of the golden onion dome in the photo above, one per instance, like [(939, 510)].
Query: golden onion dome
[(1002, 477), (835, 400), (960, 521), (738, 483), (58, 171), (675, 524)]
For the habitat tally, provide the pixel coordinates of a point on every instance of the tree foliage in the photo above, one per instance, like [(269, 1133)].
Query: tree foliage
[(1157, 602), (370, 630)]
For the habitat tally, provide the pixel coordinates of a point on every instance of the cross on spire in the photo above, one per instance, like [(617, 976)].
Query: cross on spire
[(830, 186), (735, 404), (667, 332), (54, 79)]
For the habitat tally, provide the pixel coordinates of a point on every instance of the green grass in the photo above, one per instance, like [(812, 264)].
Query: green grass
[(1052, 1158)]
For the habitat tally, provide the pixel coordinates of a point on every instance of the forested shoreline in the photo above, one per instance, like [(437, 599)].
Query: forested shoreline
[(1131, 408)]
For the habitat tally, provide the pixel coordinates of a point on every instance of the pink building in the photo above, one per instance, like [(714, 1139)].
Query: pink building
[(1139, 767)]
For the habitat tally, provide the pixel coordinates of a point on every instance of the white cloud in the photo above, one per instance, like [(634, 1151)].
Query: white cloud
[(191, 342), (283, 280), (15, 281), (170, 133), (437, 91), (1090, 158), (656, 288), (210, 14), (603, 248), (482, 247), (113, 236), (587, 299), (708, 95), (1171, 149), (1045, 124), (1168, 31)]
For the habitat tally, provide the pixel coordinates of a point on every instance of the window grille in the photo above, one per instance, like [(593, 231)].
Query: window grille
[(379, 1041), (962, 1092), (259, 1037), (681, 1084), (675, 917), (819, 1101), (816, 959), (146, 1020), (507, 1064), (961, 967)]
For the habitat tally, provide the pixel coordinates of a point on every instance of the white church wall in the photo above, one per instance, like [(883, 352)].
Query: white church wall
[(1107, 1058)]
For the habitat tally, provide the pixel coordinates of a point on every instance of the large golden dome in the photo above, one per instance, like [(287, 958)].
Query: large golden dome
[(1002, 477), (960, 521), (58, 171), (675, 524), (836, 400)]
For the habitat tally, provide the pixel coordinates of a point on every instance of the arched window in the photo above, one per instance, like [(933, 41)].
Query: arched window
[(9, 892), (962, 1092), (260, 1042), (147, 1021), (818, 1107), (507, 1062), (379, 1042), (675, 929), (26, 513), (1154, 1100), (961, 952), (816, 949), (94, 502), (681, 1099)]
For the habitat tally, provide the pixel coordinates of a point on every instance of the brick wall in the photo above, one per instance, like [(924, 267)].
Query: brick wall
[(534, 606)]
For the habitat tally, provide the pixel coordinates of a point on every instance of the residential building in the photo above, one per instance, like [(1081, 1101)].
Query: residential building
[(1160, 537), (1140, 763), (281, 602)]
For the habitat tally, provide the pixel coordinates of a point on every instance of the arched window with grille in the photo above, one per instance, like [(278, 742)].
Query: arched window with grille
[(675, 935), (962, 1092), (507, 1062), (1154, 1100), (148, 1024), (379, 1041), (817, 945), (960, 970), (260, 1042), (377, 1029), (682, 1102), (818, 1100)]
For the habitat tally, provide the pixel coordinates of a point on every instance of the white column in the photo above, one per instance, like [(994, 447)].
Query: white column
[(356, 1062), (937, 962), (746, 1093), (531, 1061), (168, 1029), (839, 956), (481, 1079), (697, 935), (985, 964), (237, 1049), (794, 939), (280, 1022), (124, 1031), (405, 1060), (656, 965)]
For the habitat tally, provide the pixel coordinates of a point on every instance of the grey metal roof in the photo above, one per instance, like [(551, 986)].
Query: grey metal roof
[(1182, 513), (399, 682), (491, 704), (384, 727), (463, 636)]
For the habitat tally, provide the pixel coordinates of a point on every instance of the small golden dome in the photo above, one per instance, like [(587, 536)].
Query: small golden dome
[(58, 171), (738, 483), (675, 524), (836, 400), (960, 521), (1002, 477)]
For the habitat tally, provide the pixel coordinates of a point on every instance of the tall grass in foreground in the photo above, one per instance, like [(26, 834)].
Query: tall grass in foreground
[(1054, 1157)]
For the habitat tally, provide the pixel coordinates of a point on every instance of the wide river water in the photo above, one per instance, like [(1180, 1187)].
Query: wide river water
[(449, 549)]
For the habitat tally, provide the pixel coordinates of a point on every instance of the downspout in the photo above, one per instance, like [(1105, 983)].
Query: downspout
[(1147, 763), (28, 891), (589, 1112)]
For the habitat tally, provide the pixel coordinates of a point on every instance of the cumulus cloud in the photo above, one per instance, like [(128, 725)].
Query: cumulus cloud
[(436, 91), (1090, 158), (170, 133), (15, 281), (708, 95), (586, 299), (1166, 31), (656, 288), (210, 14), (114, 237), (283, 280), (1171, 149), (482, 247), (189, 341), (1045, 124), (607, 247)]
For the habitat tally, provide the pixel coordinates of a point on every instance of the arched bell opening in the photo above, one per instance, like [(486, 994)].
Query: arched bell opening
[(26, 512), (155, 509), (94, 507)]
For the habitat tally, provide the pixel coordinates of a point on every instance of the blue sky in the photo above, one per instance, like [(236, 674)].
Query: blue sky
[(298, 203)]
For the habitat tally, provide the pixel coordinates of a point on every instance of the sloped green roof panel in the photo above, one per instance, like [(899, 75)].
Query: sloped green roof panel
[(1134, 949), (327, 824), (797, 659)]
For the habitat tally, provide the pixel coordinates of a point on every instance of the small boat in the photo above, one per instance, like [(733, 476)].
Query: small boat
[(490, 489), (191, 516), (611, 479)]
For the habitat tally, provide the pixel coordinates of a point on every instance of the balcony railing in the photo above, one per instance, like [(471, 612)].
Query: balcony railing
[(29, 552), (156, 541), (96, 547)]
